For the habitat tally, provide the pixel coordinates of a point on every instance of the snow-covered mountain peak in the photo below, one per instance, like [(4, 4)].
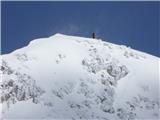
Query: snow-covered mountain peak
[(60, 35), (69, 77)]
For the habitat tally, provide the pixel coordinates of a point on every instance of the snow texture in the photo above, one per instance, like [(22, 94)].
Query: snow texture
[(67, 77)]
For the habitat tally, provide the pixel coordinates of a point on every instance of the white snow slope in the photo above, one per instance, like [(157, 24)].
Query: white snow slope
[(67, 77)]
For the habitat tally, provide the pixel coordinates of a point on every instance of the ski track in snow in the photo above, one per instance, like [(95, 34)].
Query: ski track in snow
[(68, 77)]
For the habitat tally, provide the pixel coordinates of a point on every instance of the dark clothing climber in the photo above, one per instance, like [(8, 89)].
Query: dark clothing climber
[(93, 35)]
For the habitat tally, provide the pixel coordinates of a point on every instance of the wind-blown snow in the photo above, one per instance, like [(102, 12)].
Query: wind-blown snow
[(68, 77)]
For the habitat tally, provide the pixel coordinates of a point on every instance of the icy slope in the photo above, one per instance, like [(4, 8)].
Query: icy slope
[(67, 77)]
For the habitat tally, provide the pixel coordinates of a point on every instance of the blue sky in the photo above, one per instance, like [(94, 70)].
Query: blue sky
[(135, 24)]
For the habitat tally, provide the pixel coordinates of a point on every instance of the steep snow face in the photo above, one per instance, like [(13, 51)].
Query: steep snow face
[(67, 77)]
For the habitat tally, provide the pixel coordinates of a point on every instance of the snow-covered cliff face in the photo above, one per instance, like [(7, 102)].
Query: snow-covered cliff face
[(67, 77)]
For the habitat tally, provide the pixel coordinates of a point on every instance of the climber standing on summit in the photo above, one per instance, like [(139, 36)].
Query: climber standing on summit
[(93, 35)]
